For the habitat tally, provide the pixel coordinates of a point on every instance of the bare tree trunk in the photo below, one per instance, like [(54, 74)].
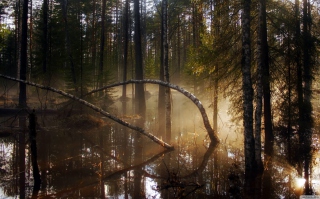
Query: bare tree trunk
[(261, 65), (102, 43), (45, 36), (166, 70), (67, 36), (307, 120), (24, 56), (247, 87), (139, 90)]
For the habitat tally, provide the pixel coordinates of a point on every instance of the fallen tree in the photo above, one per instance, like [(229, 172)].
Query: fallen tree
[(213, 137), (97, 109), (193, 98)]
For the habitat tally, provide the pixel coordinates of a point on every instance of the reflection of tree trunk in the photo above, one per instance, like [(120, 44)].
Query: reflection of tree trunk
[(22, 156), (34, 154), (102, 190), (204, 162)]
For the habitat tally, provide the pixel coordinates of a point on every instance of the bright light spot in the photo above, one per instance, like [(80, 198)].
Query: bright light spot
[(300, 182)]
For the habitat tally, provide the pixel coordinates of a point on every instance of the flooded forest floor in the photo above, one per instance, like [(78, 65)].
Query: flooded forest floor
[(81, 154)]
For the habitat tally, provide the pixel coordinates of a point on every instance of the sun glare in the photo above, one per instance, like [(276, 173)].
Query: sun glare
[(300, 182)]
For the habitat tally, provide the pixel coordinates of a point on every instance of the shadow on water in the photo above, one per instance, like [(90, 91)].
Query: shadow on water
[(93, 158)]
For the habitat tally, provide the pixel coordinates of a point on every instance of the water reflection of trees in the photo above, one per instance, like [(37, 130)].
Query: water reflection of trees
[(99, 162)]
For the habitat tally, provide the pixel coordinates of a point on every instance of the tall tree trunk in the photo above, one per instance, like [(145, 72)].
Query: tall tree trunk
[(31, 38), (166, 69), (298, 58), (264, 53), (102, 43), (161, 102), (261, 50), (140, 103), (247, 97), (125, 50), (24, 56), (306, 134), (140, 107), (68, 45), (45, 36)]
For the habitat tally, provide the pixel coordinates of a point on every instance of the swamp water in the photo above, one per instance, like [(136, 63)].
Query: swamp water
[(85, 160)]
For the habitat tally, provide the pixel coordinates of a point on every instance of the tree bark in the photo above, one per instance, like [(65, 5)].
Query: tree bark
[(247, 89), (68, 45), (45, 36), (307, 120), (102, 42), (166, 70), (24, 56), (140, 102)]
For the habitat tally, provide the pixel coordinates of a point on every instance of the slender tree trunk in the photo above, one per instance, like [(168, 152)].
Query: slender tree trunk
[(247, 87), (125, 49), (34, 153), (31, 38), (261, 50), (22, 157), (140, 103), (306, 134), (139, 88), (161, 102), (166, 69), (298, 57), (102, 43), (68, 45), (45, 36), (24, 56), (249, 143)]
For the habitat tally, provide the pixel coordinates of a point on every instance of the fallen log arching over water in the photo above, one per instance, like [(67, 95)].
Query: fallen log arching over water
[(213, 137), (97, 109)]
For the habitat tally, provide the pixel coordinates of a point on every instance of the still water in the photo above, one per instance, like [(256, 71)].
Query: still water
[(82, 157)]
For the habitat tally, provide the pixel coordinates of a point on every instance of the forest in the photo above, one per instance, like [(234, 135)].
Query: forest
[(159, 99)]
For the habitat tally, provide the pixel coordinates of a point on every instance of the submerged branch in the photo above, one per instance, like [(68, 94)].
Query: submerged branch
[(194, 99), (97, 109)]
